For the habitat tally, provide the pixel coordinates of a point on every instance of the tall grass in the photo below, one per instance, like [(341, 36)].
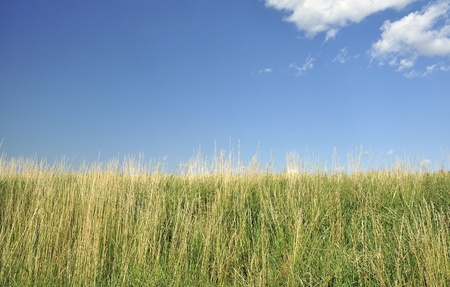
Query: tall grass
[(212, 225)]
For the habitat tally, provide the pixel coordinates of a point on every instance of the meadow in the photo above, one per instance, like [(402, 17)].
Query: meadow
[(117, 224)]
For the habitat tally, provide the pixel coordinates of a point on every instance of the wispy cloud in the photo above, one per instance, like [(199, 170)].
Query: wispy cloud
[(421, 33), (313, 17), (308, 65), (429, 70), (266, 70), (331, 34), (342, 56), (406, 64)]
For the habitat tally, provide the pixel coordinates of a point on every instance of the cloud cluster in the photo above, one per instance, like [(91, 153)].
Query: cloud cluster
[(422, 33), (313, 16)]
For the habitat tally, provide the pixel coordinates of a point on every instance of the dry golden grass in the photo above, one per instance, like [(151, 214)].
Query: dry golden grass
[(106, 225)]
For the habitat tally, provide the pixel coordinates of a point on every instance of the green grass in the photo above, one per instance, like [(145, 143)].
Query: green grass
[(104, 227)]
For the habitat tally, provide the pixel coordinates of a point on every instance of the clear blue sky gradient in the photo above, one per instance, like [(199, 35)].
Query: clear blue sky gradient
[(87, 78)]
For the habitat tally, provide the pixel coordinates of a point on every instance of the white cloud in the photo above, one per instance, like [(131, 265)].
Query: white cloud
[(424, 33), (308, 65), (390, 152), (316, 16), (342, 56), (331, 34), (444, 68), (429, 70), (413, 74), (266, 70), (406, 64), (402, 43)]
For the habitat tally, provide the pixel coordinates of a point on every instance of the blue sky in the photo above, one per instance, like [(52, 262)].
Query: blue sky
[(101, 79)]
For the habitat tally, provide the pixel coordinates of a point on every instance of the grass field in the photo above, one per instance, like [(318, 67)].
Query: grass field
[(103, 226)]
